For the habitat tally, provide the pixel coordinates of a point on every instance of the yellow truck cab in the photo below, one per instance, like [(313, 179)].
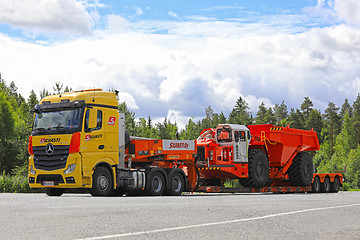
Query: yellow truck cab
[(74, 136)]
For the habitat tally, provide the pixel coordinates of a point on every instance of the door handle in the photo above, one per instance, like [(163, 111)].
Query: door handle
[(101, 147)]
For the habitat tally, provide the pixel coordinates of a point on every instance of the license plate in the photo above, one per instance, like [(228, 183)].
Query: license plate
[(48, 183)]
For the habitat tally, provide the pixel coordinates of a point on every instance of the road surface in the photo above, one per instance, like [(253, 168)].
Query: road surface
[(192, 216)]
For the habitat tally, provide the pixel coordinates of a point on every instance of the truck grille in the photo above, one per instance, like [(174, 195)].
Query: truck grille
[(57, 160)]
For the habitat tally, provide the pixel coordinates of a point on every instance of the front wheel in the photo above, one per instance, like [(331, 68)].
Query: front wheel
[(102, 182), (53, 192), (258, 169)]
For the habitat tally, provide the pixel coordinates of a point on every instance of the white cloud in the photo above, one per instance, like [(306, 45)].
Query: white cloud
[(117, 23), (46, 16), (198, 64), (173, 14), (348, 10), (138, 11)]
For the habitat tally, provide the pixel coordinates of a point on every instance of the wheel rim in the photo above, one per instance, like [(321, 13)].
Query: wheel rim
[(103, 182), (306, 170), (259, 169), (157, 184), (176, 184)]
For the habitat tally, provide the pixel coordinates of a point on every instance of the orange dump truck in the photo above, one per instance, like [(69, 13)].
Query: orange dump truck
[(263, 157), (79, 140)]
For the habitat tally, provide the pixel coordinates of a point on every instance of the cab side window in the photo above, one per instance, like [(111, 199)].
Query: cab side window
[(99, 121)]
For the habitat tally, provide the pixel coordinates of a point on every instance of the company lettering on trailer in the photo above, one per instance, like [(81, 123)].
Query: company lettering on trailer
[(178, 145), (50, 140)]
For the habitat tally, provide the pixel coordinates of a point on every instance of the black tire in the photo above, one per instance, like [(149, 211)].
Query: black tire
[(102, 182), (53, 192), (176, 182), (258, 170), (335, 186), (156, 183), (301, 170), (315, 186), (325, 186)]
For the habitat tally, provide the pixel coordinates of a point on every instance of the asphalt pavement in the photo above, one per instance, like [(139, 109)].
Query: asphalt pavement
[(190, 216)]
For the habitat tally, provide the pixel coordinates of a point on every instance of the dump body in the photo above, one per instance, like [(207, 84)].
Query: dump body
[(220, 159), (282, 142)]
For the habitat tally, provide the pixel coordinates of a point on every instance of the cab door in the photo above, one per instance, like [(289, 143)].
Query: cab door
[(241, 145), (93, 142)]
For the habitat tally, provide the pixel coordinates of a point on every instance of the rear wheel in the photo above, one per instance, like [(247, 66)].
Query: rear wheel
[(54, 192), (335, 186), (325, 186), (316, 185), (102, 182), (156, 183), (258, 170), (176, 183), (301, 170)]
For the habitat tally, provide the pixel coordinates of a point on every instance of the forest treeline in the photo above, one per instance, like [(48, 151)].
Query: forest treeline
[(338, 128)]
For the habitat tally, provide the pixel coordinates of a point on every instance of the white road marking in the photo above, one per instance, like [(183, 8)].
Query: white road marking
[(216, 223)]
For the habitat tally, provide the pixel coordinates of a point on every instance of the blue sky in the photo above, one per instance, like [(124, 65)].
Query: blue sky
[(174, 58)]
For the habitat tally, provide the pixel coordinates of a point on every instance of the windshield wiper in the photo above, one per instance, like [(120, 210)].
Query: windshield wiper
[(39, 129)]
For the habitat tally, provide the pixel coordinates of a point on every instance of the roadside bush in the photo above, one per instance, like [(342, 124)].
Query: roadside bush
[(14, 184), (346, 186)]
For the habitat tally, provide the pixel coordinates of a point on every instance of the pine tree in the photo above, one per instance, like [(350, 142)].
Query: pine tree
[(32, 100), (240, 113), (269, 116), (260, 116), (306, 107), (129, 119), (356, 118), (332, 123), (280, 113)]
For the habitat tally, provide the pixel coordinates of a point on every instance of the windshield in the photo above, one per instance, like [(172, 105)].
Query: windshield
[(58, 120), (224, 135)]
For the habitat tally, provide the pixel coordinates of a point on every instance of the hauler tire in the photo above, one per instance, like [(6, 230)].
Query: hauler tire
[(258, 169), (301, 170)]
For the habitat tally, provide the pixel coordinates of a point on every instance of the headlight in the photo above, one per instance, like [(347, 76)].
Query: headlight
[(70, 169), (32, 171)]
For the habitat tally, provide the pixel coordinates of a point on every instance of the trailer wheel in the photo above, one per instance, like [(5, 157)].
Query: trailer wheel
[(53, 192), (335, 186), (258, 169), (102, 182), (315, 185), (325, 186), (301, 170), (156, 184), (176, 183)]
